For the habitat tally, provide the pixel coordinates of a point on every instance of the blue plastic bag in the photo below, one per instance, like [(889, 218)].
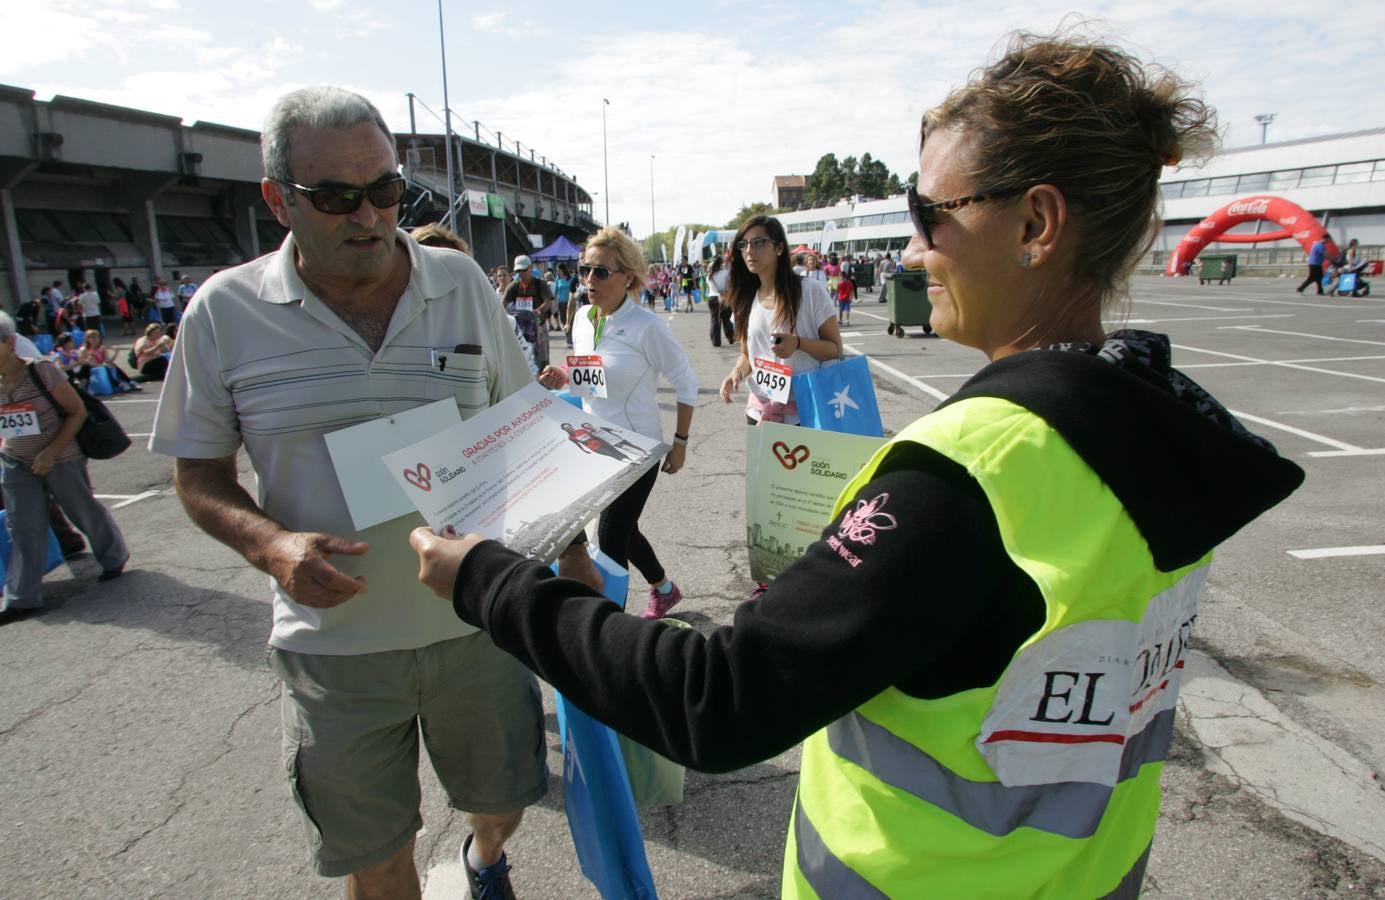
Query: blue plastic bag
[(99, 385), (839, 397), (596, 789), (55, 550)]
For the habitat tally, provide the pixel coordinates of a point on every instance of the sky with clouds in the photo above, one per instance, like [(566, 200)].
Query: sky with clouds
[(724, 94)]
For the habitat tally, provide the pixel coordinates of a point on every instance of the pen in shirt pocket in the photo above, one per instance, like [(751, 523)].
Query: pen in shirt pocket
[(438, 358)]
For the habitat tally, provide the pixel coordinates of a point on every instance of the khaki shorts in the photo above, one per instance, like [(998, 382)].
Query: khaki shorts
[(351, 727)]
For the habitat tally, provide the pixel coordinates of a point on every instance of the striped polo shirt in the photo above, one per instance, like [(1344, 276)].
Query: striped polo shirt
[(262, 363)]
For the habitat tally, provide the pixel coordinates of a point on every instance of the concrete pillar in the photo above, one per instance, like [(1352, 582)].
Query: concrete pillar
[(14, 253), (138, 193), (11, 173), (245, 199)]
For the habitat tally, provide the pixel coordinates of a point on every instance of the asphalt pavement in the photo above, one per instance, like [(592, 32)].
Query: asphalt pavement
[(140, 723)]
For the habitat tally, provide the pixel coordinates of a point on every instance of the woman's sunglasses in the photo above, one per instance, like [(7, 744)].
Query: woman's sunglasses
[(342, 200), (926, 215), (600, 273)]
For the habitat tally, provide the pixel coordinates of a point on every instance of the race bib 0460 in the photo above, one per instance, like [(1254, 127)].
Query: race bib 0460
[(18, 420), (774, 378), (586, 376)]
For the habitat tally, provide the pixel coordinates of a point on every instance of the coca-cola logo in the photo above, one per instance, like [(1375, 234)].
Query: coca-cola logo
[(1257, 207)]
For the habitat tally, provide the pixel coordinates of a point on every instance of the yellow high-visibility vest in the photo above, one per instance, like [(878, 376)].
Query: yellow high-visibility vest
[(1045, 784)]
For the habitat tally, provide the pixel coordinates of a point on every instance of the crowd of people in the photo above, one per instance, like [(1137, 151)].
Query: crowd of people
[(1048, 501)]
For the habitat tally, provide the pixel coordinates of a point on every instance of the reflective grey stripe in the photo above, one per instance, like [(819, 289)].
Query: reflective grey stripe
[(830, 877), (1129, 888), (1071, 809)]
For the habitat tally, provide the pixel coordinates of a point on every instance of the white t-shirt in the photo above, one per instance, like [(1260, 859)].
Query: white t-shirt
[(716, 282), (814, 308), (163, 298), (636, 347), (91, 303), (263, 363)]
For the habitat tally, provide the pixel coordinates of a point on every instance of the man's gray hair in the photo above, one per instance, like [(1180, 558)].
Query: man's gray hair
[(322, 106), (6, 325)]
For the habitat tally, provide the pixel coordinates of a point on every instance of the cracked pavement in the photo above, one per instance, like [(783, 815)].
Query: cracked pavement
[(141, 728)]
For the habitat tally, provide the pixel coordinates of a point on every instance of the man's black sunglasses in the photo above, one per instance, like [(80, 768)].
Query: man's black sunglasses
[(342, 200), (600, 273), (926, 215)]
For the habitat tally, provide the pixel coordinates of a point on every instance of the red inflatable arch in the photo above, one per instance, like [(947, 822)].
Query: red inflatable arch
[(1294, 222)]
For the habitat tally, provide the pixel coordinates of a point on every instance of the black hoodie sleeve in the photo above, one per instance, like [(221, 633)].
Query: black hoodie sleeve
[(887, 602)]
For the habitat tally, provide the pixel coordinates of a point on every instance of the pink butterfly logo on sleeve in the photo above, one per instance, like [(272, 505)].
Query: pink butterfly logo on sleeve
[(860, 525)]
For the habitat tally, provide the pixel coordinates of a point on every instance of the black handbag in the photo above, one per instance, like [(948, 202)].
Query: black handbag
[(100, 436)]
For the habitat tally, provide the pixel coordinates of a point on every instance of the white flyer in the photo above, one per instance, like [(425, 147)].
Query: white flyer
[(371, 495), (529, 472)]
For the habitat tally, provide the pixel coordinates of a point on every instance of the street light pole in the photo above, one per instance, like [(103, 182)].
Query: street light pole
[(1265, 119), (605, 168), (447, 126), (652, 230)]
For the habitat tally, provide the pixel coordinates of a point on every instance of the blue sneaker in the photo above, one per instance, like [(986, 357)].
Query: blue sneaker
[(492, 882)]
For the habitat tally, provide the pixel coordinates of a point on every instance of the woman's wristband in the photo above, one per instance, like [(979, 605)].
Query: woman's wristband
[(680, 438)]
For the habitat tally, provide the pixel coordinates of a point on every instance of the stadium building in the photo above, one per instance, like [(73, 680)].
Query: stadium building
[(90, 192)]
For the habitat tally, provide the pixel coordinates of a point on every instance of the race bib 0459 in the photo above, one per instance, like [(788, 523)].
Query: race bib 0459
[(773, 378)]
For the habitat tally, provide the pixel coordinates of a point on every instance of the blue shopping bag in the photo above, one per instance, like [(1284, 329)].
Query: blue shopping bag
[(99, 385), (1347, 283), (44, 343), (596, 789), (839, 397), (55, 550)]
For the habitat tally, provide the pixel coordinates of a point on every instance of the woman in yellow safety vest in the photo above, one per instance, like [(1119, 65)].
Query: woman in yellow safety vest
[(983, 651)]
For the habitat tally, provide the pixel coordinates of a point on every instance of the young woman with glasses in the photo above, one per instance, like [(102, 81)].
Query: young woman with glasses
[(984, 650), (780, 317), (633, 347)]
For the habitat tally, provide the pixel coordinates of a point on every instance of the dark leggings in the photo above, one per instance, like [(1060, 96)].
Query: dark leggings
[(618, 531), (721, 321), (1314, 277)]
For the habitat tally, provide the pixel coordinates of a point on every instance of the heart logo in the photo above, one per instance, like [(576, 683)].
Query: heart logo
[(790, 459), (420, 477)]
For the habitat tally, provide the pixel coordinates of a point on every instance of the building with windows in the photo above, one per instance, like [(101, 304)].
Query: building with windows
[(1339, 179), (91, 192), (787, 192)]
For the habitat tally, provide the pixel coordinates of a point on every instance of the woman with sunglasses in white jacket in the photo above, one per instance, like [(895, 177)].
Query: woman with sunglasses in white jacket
[(631, 347)]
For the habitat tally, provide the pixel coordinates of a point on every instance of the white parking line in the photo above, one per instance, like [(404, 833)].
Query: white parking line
[(1320, 305), (1324, 552), (1205, 319), (1286, 365), (907, 379), (1322, 337), (126, 499), (134, 400), (1342, 447), (1183, 305), (1322, 359)]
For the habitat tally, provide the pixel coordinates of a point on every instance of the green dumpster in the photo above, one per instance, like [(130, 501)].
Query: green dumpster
[(863, 274), (1218, 267), (906, 298)]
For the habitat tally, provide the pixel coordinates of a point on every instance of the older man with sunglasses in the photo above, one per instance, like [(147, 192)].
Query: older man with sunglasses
[(351, 320)]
